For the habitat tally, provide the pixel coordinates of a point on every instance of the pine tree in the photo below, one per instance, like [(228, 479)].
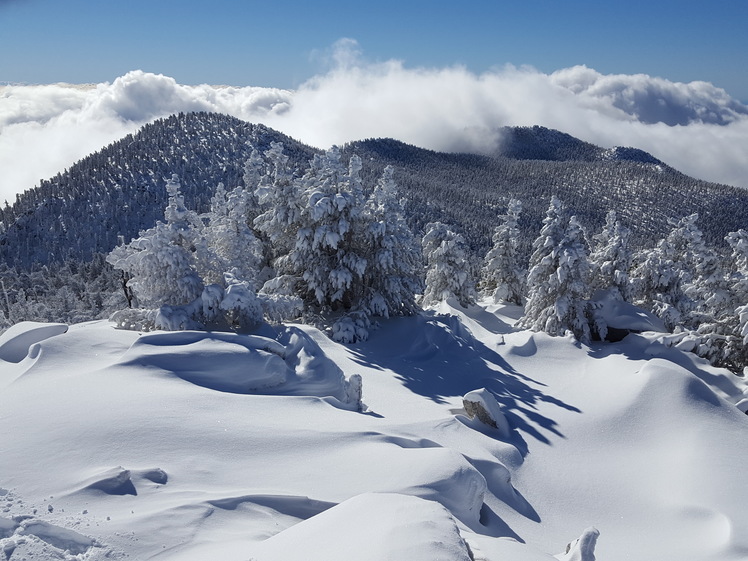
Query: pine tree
[(558, 280), (502, 277), (325, 256), (340, 251), (611, 259), (724, 339), (279, 194), (447, 266)]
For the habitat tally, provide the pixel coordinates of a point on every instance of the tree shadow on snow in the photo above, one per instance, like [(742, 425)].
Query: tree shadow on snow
[(437, 357)]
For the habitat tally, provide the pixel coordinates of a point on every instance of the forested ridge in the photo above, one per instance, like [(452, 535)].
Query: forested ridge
[(469, 190), (119, 190)]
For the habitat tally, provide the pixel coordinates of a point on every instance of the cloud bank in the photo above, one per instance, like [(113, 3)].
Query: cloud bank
[(695, 127)]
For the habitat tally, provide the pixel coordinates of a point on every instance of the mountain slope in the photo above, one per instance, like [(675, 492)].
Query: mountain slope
[(470, 190), (120, 190)]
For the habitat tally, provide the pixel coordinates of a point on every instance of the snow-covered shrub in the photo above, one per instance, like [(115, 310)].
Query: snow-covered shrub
[(135, 319), (351, 328), (278, 308), (176, 318), (240, 304)]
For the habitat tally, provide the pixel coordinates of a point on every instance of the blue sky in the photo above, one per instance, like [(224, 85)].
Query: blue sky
[(282, 44)]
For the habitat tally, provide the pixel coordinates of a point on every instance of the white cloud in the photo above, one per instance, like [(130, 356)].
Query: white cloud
[(694, 127), (652, 100)]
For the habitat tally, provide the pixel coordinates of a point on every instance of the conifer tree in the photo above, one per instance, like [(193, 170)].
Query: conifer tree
[(325, 256), (724, 339), (393, 274), (161, 262), (611, 259), (447, 266), (558, 279), (662, 276), (502, 277), (229, 240)]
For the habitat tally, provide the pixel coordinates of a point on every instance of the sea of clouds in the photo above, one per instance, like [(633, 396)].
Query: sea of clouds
[(694, 127)]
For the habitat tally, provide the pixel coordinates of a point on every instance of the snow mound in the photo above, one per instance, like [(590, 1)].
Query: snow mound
[(437, 474), (582, 548), (222, 362), (7, 527), (246, 364), (16, 342), (26, 537), (115, 481), (371, 527), (623, 316)]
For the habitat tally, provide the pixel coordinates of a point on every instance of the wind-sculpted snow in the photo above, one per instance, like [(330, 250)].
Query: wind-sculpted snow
[(16, 342), (118, 445), (373, 527), (245, 363)]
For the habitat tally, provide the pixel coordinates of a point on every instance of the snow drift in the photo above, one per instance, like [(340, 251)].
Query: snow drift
[(193, 446)]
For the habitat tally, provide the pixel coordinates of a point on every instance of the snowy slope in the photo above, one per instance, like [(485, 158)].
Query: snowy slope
[(196, 446)]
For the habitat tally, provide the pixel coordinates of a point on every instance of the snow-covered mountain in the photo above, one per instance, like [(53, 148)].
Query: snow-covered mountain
[(119, 190), (284, 445)]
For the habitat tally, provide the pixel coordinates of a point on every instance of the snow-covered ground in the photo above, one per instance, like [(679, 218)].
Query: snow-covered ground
[(195, 446)]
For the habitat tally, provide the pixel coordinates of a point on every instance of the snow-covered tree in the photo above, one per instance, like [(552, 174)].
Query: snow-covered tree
[(278, 193), (326, 256), (559, 277), (393, 273), (738, 242), (661, 277), (339, 251), (230, 241), (502, 277), (161, 262), (611, 258), (191, 272), (724, 338), (448, 272)]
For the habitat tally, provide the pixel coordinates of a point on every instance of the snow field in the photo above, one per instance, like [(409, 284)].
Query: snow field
[(194, 445)]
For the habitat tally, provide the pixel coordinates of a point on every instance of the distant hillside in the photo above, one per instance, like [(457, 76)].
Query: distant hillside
[(540, 143), (470, 190), (119, 190)]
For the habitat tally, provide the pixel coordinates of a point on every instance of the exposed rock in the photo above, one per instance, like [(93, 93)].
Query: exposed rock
[(482, 404)]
